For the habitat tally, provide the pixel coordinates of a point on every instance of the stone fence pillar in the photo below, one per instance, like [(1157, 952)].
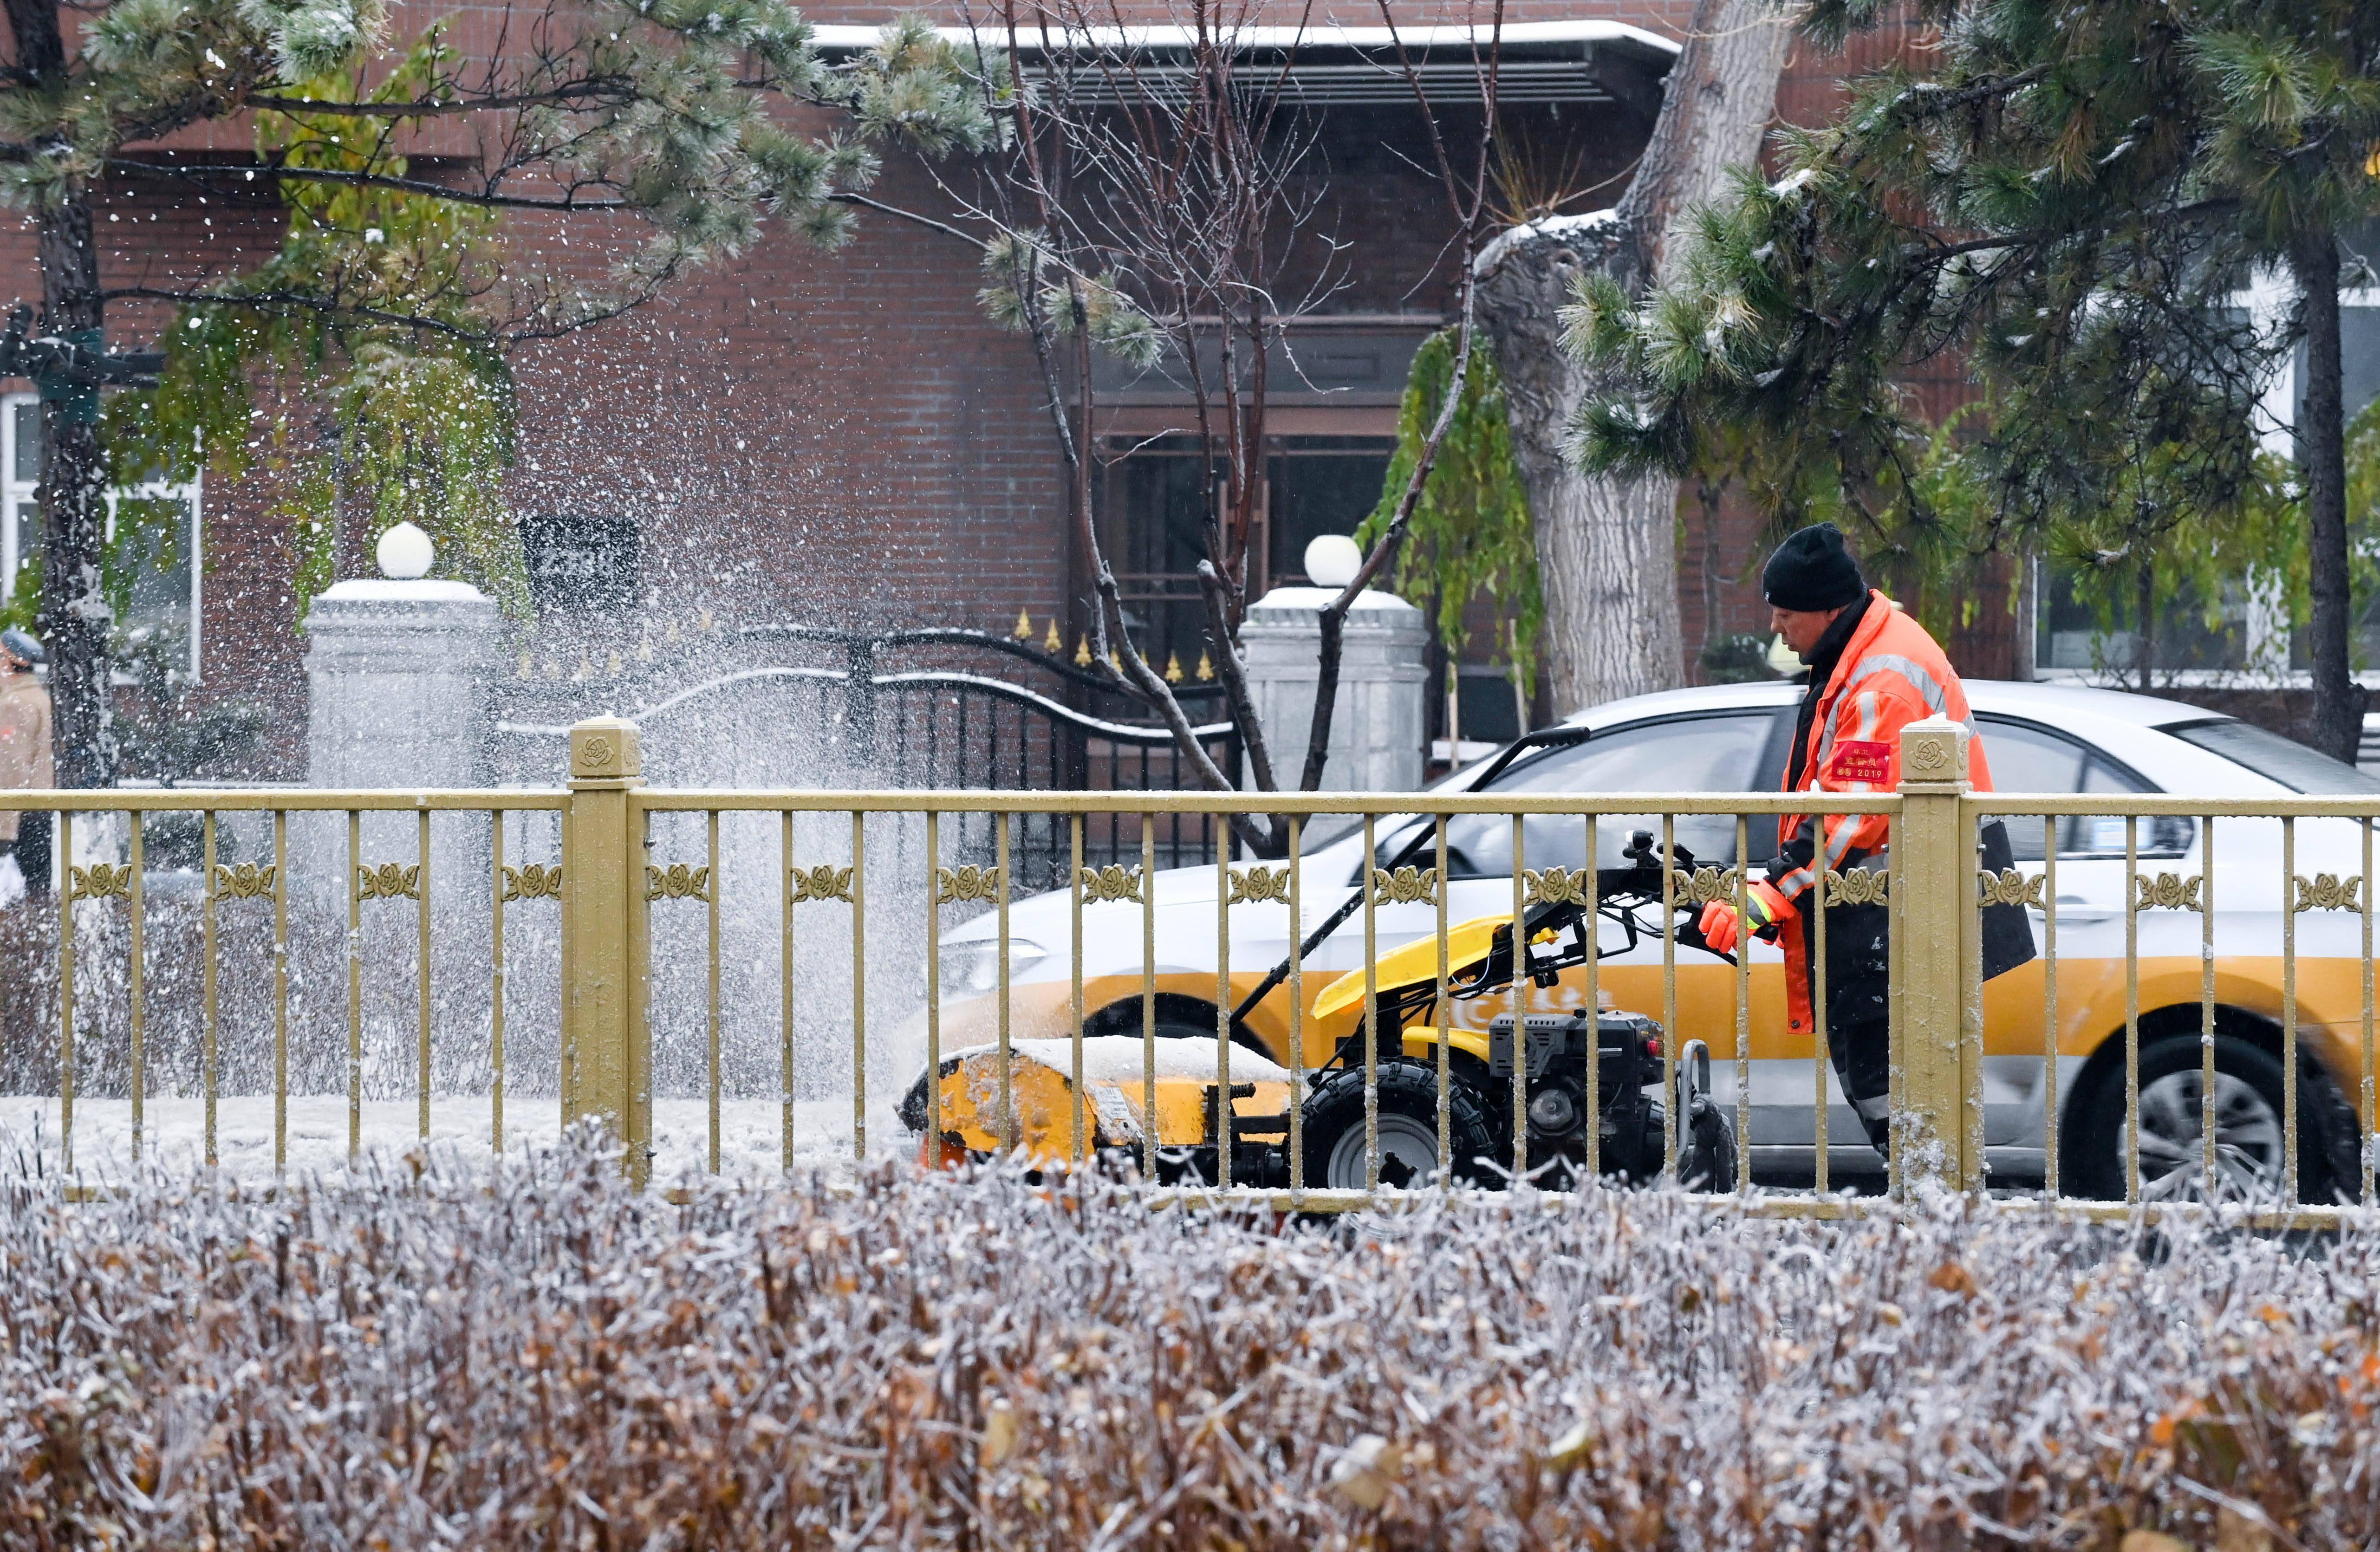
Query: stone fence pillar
[(399, 681), (398, 676), (1376, 726)]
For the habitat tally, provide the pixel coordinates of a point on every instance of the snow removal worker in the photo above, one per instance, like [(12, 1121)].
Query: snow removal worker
[(1872, 671), (24, 766)]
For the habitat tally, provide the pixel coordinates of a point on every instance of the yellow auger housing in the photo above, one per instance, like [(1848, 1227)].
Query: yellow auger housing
[(1115, 1070), (1468, 945)]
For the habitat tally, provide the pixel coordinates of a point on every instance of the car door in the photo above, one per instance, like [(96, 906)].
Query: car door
[(2028, 756)]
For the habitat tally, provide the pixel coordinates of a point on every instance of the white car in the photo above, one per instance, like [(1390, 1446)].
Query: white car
[(2039, 739)]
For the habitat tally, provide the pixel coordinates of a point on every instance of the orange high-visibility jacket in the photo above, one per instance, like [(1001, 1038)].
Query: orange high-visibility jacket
[(1890, 675)]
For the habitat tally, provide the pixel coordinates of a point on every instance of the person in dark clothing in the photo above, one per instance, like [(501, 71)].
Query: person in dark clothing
[(1873, 670)]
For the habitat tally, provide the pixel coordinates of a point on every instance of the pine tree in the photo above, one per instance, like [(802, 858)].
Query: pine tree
[(1606, 544), (660, 131), (2074, 201)]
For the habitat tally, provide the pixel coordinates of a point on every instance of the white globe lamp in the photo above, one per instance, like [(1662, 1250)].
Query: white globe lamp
[(1332, 560), (404, 553)]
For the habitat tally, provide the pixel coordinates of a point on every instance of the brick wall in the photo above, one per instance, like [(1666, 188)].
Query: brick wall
[(830, 437)]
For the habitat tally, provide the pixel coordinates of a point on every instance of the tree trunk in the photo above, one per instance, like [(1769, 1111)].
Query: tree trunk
[(2144, 623), (2322, 456), (2023, 664), (1708, 492), (73, 493), (1606, 547)]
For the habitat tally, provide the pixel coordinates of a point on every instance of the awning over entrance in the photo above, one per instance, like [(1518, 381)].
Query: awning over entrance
[(1539, 63)]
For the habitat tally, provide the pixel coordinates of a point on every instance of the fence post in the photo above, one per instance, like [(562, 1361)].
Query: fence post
[(606, 1059), (1933, 896), (860, 704)]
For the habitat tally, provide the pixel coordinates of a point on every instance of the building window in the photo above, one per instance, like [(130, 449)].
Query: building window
[(582, 562), (1321, 485), (1156, 502), (2074, 638), (2247, 632), (20, 523), (159, 550), (1156, 499)]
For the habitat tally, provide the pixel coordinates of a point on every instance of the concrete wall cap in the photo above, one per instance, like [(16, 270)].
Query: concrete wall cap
[(1311, 600), (380, 589)]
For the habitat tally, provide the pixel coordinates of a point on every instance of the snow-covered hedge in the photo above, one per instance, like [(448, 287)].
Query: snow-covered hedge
[(549, 1360)]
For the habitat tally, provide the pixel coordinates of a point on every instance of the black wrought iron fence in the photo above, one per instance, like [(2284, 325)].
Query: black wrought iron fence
[(937, 707)]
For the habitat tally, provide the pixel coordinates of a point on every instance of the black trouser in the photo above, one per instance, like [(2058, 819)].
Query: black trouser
[(1858, 1009), (33, 849), (1858, 980)]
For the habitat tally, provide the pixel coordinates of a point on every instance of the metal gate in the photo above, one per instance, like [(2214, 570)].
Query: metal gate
[(919, 708)]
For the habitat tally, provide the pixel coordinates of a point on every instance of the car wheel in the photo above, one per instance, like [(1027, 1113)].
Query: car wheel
[(2249, 1161), (1407, 1129)]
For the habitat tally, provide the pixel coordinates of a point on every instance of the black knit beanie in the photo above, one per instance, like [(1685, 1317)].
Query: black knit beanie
[(1812, 572)]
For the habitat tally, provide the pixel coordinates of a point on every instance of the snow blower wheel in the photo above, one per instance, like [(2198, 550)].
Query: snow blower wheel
[(1408, 1129)]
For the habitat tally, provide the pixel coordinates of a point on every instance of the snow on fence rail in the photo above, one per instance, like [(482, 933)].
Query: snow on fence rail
[(737, 980)]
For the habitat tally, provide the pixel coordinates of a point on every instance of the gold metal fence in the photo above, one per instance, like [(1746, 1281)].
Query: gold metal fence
[(246, 889), (1139, 1036), (2229, 991)]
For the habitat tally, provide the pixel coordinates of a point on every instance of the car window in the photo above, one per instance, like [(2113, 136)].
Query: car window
[(1769, 776), (2028, 758), (1705, 753), (2276, 758), (2025, 759)]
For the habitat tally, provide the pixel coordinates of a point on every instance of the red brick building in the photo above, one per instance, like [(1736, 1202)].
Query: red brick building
[(843, 438)]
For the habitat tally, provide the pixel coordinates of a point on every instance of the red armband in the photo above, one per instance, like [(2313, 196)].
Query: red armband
[(1858, 760)]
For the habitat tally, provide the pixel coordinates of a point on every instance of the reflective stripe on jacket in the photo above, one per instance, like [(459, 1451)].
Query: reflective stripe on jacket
[(1890, 675)]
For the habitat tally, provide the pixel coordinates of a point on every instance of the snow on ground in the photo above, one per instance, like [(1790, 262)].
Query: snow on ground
[(174, 1133)]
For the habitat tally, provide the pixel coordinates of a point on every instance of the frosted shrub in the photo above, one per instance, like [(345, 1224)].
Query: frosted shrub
[(546, 1360)]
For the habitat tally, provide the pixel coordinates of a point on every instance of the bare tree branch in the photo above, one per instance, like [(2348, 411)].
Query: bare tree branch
[(285, 173), (280, 302), (913, 217), (1187, 184), (1470, 204), (571, 94)]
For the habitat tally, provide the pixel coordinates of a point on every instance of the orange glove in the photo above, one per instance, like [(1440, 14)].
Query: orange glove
[(1722, 928)]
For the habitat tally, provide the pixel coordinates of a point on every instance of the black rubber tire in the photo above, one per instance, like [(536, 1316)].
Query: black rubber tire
[(1707, 1148), (1334, 1114), (2093, 1138)]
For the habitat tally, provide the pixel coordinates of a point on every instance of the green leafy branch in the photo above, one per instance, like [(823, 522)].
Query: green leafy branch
[(1469, 535), (356, 415)]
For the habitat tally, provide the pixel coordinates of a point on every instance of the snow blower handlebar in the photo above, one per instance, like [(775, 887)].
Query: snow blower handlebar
[(1620, 893), (1543, 738)]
